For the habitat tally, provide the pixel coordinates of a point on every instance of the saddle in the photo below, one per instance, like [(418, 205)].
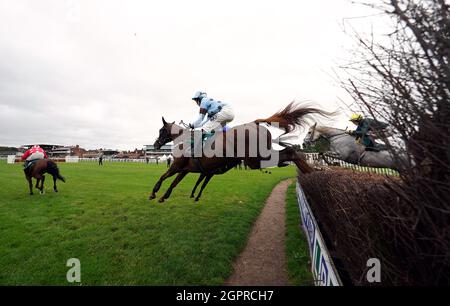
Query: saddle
[(372, 145), (29, 163), (205, 137)]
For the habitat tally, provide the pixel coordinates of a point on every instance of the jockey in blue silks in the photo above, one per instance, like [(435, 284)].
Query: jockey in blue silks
[(213, 116)]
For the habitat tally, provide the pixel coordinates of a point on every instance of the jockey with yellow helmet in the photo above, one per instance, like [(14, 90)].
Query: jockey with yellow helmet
[(364, 126)]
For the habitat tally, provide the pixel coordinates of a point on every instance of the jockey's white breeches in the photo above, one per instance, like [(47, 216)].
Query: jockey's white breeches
[(36, 155), (219, 120)]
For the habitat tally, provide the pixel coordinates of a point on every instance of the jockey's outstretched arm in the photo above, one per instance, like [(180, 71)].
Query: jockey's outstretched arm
[(357, 133), (198, 122), (25, 156), (204, 120), (201, 119)]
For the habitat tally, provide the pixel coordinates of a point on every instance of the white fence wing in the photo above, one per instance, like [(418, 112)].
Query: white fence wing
[(11, 159)]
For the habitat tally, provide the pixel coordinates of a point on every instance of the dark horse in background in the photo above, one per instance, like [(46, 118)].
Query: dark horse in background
[(287, 119), (38, 169)]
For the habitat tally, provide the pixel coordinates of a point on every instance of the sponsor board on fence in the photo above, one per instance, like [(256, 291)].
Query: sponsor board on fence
[(323, 269)]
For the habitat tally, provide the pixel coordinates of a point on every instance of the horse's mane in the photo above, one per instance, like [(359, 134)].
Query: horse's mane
[(180, 133), (324, 129)]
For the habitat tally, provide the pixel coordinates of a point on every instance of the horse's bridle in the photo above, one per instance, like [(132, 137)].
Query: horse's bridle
[(332, 136), (184, 124)]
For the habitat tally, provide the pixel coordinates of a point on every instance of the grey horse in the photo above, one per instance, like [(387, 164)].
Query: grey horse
[(348, 150)]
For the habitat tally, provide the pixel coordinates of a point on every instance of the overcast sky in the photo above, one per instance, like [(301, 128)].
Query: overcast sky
[(102, 73)]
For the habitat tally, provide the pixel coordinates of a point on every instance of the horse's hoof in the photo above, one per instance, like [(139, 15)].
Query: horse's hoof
[(31, 193), (197, 199), (192, 196), (56, 190), (42, 192), (151, 197), (161, 200)]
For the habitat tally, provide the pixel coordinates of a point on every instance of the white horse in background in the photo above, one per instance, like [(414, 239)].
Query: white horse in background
[(348, 150)]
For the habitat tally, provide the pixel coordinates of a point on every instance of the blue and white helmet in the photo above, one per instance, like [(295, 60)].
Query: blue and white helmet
[(199, 95)]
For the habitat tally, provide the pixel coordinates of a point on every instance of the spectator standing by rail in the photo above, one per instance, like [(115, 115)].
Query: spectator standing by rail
[(100, 159)]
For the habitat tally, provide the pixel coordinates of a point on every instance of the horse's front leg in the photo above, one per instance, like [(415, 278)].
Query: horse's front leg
[(208, 178), (158, 184), (200, 179), (42, 184), (30, 184), (175, 182), (54, 183)]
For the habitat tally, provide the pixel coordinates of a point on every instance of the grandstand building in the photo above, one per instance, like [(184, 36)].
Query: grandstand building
[(51, 149), (55, 150), (5, 151), (152, 152), (60, 151)]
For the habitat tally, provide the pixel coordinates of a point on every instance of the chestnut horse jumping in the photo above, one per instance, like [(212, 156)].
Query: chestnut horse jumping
[(287, 119), (38, 169)]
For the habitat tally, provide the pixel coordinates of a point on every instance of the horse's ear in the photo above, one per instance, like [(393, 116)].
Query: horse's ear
[(164, 121), (173, 122), (315, 124)]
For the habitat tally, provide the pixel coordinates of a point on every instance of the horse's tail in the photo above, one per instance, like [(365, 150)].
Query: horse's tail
[(288, 119), (292, 116), (54, 170)]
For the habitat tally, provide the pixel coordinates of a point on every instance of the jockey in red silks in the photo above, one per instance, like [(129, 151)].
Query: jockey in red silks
[(33, 154)]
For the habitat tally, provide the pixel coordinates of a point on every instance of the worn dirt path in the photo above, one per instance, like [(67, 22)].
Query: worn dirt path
[(263, 261)]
